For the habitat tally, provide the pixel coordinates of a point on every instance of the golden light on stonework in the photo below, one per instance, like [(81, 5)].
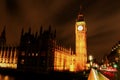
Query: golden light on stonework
[(72, 68), (80, 48), (62, 59), (8, 61)]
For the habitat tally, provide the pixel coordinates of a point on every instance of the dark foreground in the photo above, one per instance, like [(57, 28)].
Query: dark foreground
[(15, 75)]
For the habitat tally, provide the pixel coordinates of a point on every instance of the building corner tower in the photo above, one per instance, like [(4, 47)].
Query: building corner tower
[(80, 43)]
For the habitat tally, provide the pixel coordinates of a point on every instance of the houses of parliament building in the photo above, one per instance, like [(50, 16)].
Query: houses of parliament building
[(40, 52)]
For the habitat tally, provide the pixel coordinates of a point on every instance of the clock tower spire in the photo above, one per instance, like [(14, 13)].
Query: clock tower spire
[(80, 42)]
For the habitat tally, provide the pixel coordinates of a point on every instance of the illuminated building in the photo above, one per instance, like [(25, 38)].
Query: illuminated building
[(41, 52), (8, 54), (8, 57), (115, 53), (80, 43), (63, 59)]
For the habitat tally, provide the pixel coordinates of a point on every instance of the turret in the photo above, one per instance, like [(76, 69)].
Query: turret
[(41, 28), (3, 37), (80, 15), (29, 31)]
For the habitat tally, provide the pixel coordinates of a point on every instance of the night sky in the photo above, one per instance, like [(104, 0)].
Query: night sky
[(102, 19)]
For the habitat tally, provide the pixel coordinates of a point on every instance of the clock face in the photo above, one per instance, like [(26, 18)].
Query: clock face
[(80, 28)]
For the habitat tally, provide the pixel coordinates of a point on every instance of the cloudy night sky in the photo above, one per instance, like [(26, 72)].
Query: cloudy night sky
[(102, 19)]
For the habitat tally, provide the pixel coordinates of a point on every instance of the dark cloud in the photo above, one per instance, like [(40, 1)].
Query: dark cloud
[(12, 7), (102, 19), (103, 26), (68, 13)]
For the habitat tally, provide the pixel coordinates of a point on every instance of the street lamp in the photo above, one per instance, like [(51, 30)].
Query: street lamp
[(91, 60)]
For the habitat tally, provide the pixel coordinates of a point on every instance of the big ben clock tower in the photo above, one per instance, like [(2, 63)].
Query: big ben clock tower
[(80, 43)]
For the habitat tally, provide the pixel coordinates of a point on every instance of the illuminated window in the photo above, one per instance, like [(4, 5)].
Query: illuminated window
[(119, 51), (118, 44), (29, 54), (29, 42), (22, 61), (116, 58), (23, 54), (36, 54), (32, 54)]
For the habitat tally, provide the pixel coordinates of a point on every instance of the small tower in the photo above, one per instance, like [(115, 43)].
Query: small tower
[(3, 37), (80, 42)]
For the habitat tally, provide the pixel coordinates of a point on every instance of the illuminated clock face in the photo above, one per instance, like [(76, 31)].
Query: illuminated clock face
[(80, 28)]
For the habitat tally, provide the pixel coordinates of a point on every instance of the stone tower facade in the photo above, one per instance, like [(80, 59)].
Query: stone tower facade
[(80, 43)]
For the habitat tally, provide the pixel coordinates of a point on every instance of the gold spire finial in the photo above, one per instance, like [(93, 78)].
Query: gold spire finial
[(80, 7), (80, 14)]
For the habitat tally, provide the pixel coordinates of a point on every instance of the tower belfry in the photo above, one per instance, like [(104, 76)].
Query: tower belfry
[(80, 42), (80, 15)]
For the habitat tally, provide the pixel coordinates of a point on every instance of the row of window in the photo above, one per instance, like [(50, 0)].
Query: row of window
[(30, 54)]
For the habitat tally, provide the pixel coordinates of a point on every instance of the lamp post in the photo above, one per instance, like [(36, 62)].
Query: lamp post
[(91, 60)]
